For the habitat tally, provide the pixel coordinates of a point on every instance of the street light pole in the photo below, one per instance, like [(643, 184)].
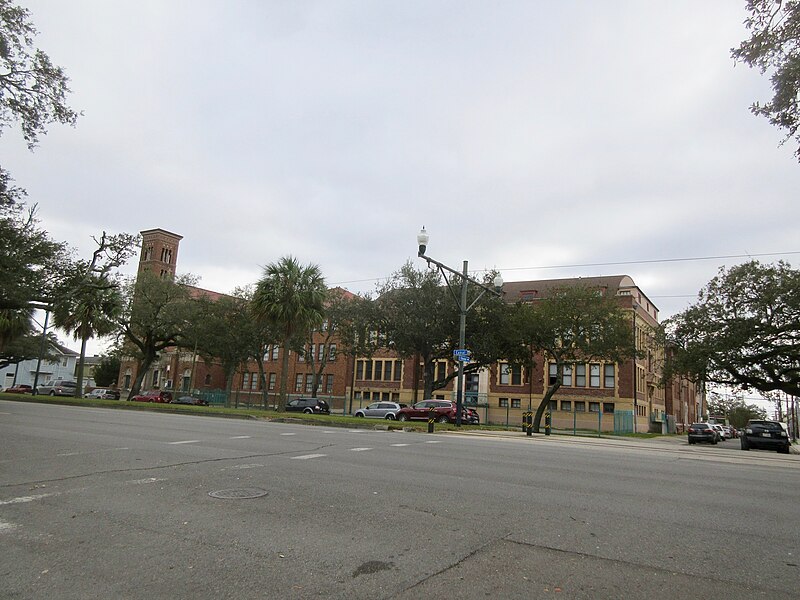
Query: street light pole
[(463, 307)]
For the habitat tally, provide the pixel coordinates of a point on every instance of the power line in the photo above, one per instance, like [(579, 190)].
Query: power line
[(610, 264)]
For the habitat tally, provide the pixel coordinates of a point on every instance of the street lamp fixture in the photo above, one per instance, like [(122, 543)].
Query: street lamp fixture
[(463, 307)]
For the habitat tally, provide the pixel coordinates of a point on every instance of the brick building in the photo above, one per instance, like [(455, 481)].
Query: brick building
[(612, 397)]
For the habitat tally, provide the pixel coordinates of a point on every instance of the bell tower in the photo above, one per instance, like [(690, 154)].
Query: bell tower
[(159, 252)]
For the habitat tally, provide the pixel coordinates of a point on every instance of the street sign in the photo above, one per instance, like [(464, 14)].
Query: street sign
[(461, 355)]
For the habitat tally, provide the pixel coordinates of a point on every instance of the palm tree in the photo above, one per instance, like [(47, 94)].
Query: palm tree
[(290, 298)]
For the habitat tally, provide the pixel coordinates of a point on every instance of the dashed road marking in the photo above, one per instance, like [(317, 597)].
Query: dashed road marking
[(68, 454), (24, 499), (250, 466), (185, 442), (398, 445), (359, 449), (240, 437), (355, 431), (288, 434), (432, 442), (7, 526), (146, 480), (307, 456)]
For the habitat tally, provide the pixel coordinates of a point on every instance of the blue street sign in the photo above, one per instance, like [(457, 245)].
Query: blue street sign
[(461, 355)]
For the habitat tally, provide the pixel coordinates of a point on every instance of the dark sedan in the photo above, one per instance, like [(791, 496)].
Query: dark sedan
[(190, 400), (309, 406), (702, 432)]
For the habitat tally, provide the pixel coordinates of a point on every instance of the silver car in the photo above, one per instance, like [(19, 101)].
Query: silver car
[(380, 410)]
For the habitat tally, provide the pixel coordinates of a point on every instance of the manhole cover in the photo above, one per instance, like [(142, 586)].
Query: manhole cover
[(238, 494)]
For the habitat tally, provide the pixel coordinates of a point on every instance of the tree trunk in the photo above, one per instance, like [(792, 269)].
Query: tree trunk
[(551, 390), (81, 362), (143, 365), (428, 381), (284, 379)]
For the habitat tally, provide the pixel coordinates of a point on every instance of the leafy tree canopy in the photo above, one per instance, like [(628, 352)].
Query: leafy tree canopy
[(33, 90), (734, 409), (744, 331), (774, 46), (106, 371)]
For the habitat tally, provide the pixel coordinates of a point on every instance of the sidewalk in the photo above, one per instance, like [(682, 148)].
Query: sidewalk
[(666, 441)]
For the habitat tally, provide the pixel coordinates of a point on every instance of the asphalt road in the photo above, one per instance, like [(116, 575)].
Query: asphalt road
[(101, 503)]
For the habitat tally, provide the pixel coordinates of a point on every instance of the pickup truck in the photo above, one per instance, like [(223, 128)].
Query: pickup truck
[(57, 387)]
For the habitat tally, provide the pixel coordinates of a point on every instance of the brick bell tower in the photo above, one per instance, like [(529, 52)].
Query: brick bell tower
[(159, 252)]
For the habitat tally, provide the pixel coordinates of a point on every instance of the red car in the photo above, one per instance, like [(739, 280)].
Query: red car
[(153, 396), (19, 389), (444, 412)]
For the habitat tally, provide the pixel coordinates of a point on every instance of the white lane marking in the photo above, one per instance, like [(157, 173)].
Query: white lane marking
[(251, 466), (327, 432), (307, 456), (23, 499), (185, 442), (68, 454), (432, 442), (7, 526), (147, 480), (398, 445), (121, 448), (240, 437), (359, 449), (288, 434), (4, 413), (355, 431)]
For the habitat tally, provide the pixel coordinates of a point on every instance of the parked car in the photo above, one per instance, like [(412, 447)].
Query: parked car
[(471, 416), (103, 393), (308, 406), (766, 435), (380, 410), (22, 388), (702, 432), (189, 400), (444, 411), (57, 387), (720, 431), (153, 396), (728, 432)]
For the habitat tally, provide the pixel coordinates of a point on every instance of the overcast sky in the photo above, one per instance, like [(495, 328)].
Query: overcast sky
[(522, 134)]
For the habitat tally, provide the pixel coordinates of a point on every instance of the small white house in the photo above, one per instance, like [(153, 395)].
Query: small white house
[(63, 367)]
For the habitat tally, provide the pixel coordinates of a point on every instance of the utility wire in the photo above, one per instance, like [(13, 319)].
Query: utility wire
[(609, 264)]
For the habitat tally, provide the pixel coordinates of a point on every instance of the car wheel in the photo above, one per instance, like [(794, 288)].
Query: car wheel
[(359, 415), (390, 417), (52, 393), (443, 419), (745, 445), (714, 441), (308, 411), (691, 442), (783, 450), (402, 417)]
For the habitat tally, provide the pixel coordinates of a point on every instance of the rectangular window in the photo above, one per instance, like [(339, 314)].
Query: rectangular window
[(155, 378), (594, 376), (552, 405), (245, 380), (395, 397), (580, 375), (367, 369), (387, 370), (608, 379), (594, 407), (503, 403), (515, 403), (566, 378), (608, 407), (301, 356), (378, 369), (309, 383), (552, 374), (272, 378), (321, 353), (332, 353), (397, 366), (505, 374), (360, 369), (255, 382), (328, 384), (566, 405), (580, 406), (298, 383), (510, 374)]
